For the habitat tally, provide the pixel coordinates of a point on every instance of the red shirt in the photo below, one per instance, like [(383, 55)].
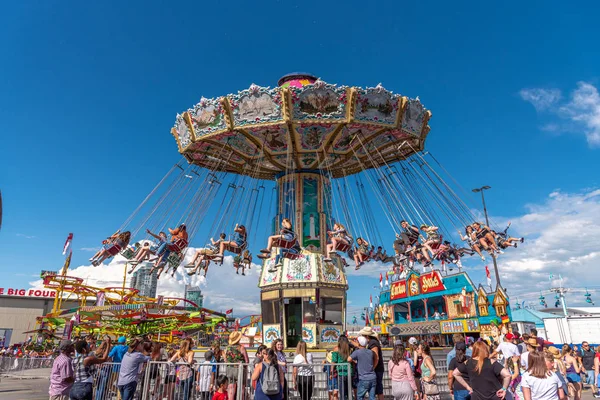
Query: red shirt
[(220, 396)]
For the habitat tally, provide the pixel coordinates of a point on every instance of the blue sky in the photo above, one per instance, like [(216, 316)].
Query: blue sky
[(90, 91)]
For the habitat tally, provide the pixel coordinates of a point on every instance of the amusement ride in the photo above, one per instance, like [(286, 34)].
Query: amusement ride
[(306, 172)]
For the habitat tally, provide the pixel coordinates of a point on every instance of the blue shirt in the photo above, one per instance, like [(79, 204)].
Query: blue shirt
[(118, 352), (364, 364), (452, 354)]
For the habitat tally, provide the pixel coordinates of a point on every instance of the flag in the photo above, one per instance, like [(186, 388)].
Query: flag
[(381, 280), (230, 311), (505, 319), (487, 275), (387, 282), (367, 323), (67, 246), (371, 301), (551, 277)]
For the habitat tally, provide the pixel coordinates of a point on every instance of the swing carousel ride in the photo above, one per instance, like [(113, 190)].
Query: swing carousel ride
[(318, 167)]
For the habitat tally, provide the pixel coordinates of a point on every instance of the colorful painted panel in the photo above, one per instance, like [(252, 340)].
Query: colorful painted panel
[(312, 136), (319, 101), (345, 138), (414, 115), (238, 142), (270, 274), (331, 271), (330, 334), (256, 105), (207, 117), (271, 333), (311, 230), (374, 144), (376, 105), (309, 333), (274, 138), (182, 131), (301, 269)]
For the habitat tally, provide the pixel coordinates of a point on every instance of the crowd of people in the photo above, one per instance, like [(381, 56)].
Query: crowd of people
[(520, 367)]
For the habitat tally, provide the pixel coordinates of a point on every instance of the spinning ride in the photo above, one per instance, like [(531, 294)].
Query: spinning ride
[(308, 136), (121, 311)]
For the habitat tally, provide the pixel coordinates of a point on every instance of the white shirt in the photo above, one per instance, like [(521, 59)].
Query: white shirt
[(204, 370), (508, 349), (542, 389), (525, 360), (300, 362)]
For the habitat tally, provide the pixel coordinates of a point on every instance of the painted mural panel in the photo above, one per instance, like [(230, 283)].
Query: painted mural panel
[(309, 333), (271, 333), (311, 230), (299, 270), (330, 334)]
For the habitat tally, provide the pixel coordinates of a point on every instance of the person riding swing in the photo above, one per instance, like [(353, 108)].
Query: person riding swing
[(340, 240)]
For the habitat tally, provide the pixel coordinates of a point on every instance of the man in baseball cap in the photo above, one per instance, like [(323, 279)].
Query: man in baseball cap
[(365, 361), (507, 347)]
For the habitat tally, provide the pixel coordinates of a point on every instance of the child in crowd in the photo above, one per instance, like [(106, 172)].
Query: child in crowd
[(221, 393)]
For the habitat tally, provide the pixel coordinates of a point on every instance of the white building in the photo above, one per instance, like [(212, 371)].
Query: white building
[(144, 281)]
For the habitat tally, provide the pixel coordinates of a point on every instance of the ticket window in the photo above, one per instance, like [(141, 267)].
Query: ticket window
[(332, 310), (270, 311)]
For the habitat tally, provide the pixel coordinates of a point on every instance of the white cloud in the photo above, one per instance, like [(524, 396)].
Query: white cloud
[(580, 114), (25, 236), (90, 249), (584, 107), (223, 288), (541, 99), (562, 236)]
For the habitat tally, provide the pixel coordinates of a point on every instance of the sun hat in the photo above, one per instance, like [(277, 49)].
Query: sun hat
[(554, 351), (235, 337), (533, 342), (368, 332)]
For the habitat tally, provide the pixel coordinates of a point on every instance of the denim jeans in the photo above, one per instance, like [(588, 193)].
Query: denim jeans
[(462, 395), (128, 390), (185, 388), (81, 391), (365, 386)]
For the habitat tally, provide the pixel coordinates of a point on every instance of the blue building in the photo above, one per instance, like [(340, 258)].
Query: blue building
[(432, 307)]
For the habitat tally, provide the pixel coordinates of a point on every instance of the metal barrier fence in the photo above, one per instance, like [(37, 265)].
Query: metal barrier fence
[(17, 366), (168, 381)]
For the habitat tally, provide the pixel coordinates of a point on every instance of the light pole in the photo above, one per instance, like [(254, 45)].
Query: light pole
[(487, 222)]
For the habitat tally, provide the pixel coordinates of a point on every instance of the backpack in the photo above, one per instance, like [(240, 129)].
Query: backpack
[(270, 379)]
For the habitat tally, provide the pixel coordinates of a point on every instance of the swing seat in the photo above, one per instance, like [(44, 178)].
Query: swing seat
[(178, 245), (128, 253), (284, 244), (113, 250), (174, 259), (237, 250), (343, 247), (292, 256)]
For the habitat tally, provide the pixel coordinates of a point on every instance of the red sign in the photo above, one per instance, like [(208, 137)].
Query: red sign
[(398, 290), (431, 282), (44, 293)]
